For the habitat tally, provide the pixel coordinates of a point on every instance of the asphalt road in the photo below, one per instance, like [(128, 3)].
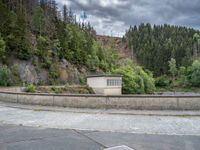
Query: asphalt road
[(45, 128), (140, 124), (14, 137)]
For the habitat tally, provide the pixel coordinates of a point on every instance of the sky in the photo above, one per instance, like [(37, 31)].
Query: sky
[(114, 17)]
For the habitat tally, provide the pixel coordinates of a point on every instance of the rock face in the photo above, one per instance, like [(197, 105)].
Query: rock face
[(27, 72), (68, 73)]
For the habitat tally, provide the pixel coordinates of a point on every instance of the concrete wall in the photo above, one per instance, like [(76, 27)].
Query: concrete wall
[(106, 102), (97, 82), (99, 85), (113, 91)]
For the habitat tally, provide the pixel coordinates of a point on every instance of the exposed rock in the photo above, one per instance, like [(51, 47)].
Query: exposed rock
[(64, 75), (74, 76), (43, 76), (27, 72), (23, 70), (32, 72), (64, 63)]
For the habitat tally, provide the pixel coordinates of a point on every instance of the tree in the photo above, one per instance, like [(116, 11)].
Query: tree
[(2, 49), (153, 46), (195, 73), (172, 68), (182, 75), (39, 20), (196, 47), (65, 14), (135, 80)]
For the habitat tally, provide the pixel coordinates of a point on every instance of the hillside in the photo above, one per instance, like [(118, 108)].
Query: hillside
[(117, 43), (153, 45), (41, 46)]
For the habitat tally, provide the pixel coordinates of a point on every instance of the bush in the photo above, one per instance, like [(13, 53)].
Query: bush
[(53, 74), (182, 76), (2, 49), (135, 81), (162, 81), (15, 76), (5, 74), (30, 88), (56, 90), (194, 74), (149, 82)]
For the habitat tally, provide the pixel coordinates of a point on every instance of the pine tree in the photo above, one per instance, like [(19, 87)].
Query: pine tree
[(39, 20), (2, 49), (172, 68), (65, 14)]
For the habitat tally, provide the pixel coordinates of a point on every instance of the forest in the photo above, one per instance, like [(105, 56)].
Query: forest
[(170, 52), (41, 33), (44, 34)]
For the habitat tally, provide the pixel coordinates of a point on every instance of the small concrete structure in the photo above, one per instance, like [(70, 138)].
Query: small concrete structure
[(105, 84)]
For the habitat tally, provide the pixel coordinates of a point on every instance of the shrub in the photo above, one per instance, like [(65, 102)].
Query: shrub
[(82, 79), (30, 88), (53, 74), (149, 82), (5, 74), (162, 81), (172, 68), (15, 76), (2, 48), (194, 73), (56, 90), (182, 76), (135, 81)]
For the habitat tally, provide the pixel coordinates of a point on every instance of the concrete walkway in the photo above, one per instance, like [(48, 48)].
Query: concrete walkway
[(100, 120)]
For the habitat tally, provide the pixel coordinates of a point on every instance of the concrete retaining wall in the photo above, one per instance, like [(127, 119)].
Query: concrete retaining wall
[(148, 102)]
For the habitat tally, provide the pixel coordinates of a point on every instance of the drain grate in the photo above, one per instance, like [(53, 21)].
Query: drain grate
[(122, 147)]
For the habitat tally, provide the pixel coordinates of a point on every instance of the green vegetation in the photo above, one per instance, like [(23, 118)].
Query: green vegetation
[(103, 58), (136, 80), (39, 20), (2, 49), (155, 45), (186, 79), (53, 74), (172, 68), (162, 81), (169, 52), (194, 74), (67, 89), (5, 76), (30, 88), (36, 32)]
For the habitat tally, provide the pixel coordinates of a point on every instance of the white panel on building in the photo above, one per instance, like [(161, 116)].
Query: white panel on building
[(106, 84)]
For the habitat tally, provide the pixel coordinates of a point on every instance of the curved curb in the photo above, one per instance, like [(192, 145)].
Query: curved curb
[(135, 102)]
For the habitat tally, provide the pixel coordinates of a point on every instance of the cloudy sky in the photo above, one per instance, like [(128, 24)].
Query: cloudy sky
[(115, 16)]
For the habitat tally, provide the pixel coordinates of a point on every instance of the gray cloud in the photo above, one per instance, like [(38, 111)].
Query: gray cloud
[(117, 15)]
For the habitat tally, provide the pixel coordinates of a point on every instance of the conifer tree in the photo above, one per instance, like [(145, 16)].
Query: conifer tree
[(39, 20), (2, 49)]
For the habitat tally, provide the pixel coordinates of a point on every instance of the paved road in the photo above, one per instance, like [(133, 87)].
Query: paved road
[(143, 124), (35, 128), (14, 137)]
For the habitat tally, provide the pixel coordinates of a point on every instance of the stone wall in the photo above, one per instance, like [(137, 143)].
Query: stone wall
[(106, 102)]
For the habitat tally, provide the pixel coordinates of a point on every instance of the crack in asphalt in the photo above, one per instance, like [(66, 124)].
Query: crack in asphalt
[(82, 134)]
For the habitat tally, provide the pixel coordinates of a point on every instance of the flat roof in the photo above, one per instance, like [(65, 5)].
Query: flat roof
[(104, 75)]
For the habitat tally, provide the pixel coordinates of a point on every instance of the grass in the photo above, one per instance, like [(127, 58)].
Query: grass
[(67, 89), (178, 89)]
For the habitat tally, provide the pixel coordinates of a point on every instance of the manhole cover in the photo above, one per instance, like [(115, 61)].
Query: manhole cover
[(123, 147)]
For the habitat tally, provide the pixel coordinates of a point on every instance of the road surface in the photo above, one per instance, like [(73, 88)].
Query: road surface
[(34, 128)]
